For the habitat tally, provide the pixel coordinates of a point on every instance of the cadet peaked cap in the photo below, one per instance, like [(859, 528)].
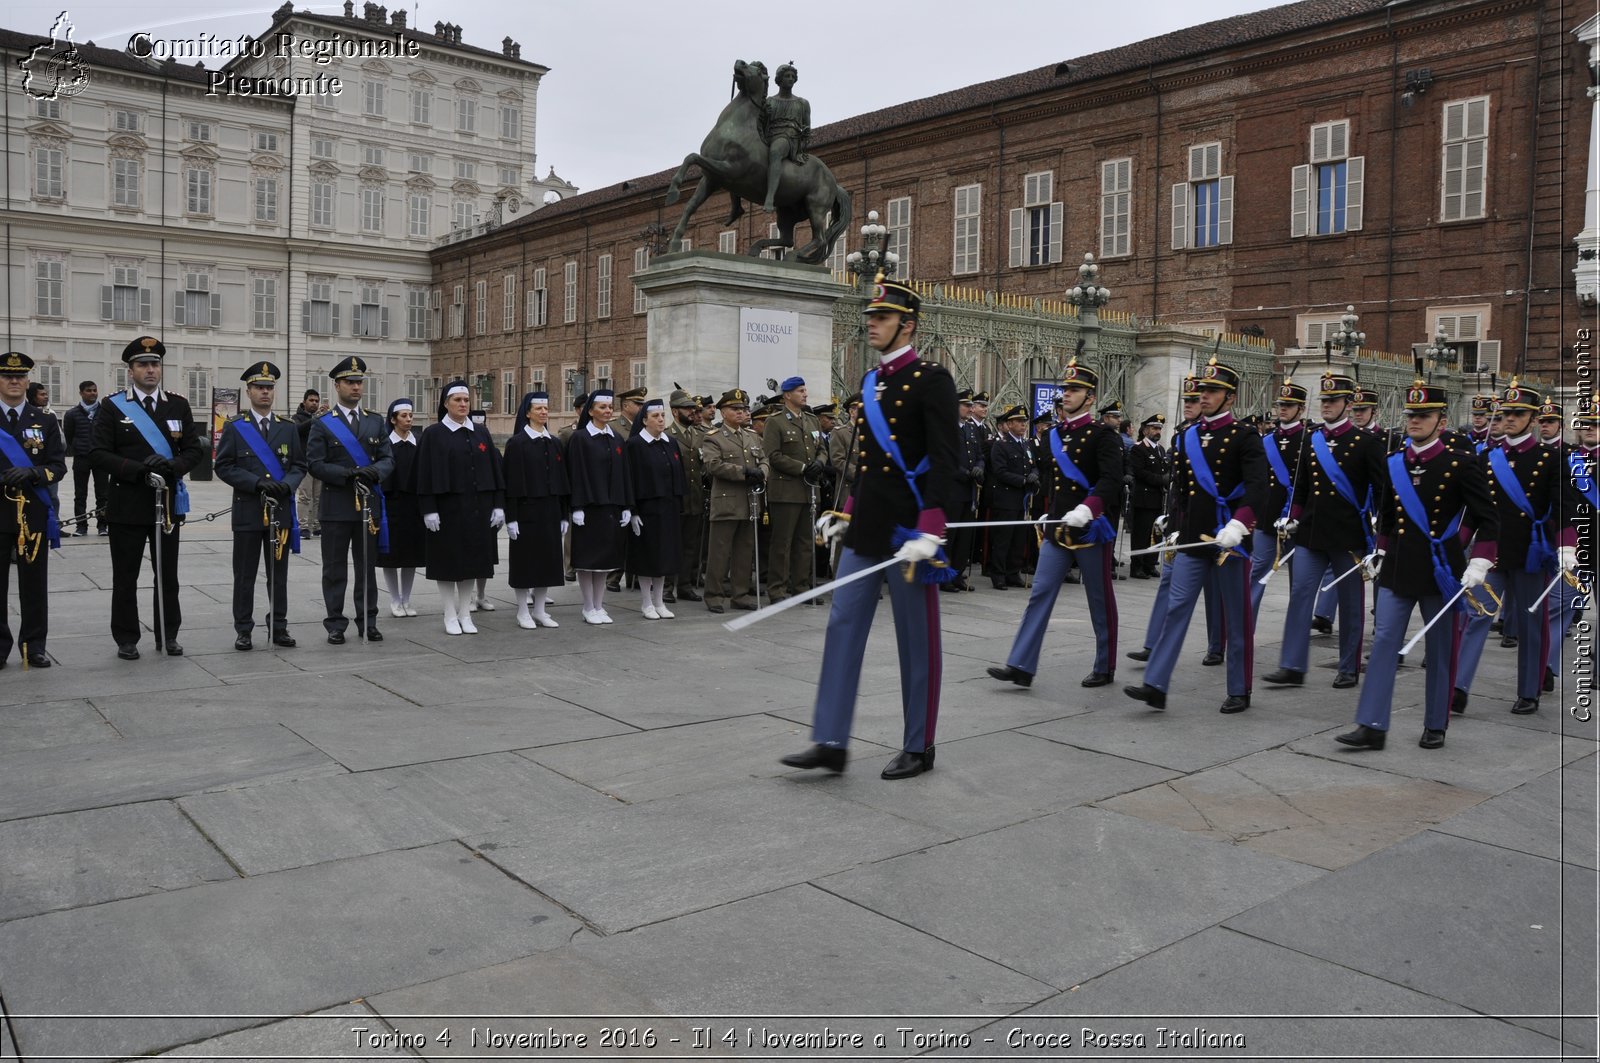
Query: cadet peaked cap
[(1337, 386), (1079, 376), (1365, 397), (1550, 410), (893, 297), (1482, 403), (1292, 392), (1216, 375), (1424, 396), (1517, 397)]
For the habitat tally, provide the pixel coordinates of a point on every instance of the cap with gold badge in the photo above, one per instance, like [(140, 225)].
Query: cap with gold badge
[(264, 373), (351, 368), (15, 363), (144, 349)]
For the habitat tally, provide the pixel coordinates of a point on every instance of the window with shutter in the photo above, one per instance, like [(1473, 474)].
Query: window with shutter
[(1202, 208), (967, 234), (1042, 222), (480, 305), (416, 313), (1116, 199), (569, 295), (727, 242), (508, 302), (898, 240), (602, 286), (641, 262), (1466, 145)]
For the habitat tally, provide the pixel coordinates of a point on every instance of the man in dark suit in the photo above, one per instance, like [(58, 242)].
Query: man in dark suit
[(1148, 461), (261, 458), (32, 457), (350, 445), (145, 430), (1011, 478), (78, 425), (969, 474)]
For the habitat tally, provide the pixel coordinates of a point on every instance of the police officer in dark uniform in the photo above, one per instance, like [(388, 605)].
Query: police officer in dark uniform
[(145, 430), (258, 491), (32, 457), (1012, 477), (332, 460), (1151, 469), (970, 470)]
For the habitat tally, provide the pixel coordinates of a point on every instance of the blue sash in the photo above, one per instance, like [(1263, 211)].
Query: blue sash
[(938, 570), (1196, 453), (1406, 491), (18, 457), (1540, 556), (157, 442), (1341, 483), (348, 440), (1280, 471), (1583, 479), (269, 461), (1099, 530)]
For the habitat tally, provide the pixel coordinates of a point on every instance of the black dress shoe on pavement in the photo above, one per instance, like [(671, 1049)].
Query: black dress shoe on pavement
[(1285, 677), (1211, 660), (689, 596), (1458, 701), (38, 660), (1235, 703), (1526, 706), (1001, 585), (1364, 737), (1096, 679), (1322, 625), (1156, 699), (242, 642), (173, 649), (336, 638), (284, 639), (1345, 680), (1141, 575), (1431, 739), (1549, 680), (669, 597), (829, 757), (716, 609), (905, 765), (748, 607), (1016, 583), (1508, 642), (1139, 655), (950, 587), (1009, 674), (374, 635), (128, 651)]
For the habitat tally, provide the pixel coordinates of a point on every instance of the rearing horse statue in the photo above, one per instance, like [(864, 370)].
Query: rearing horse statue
[(734, 157)]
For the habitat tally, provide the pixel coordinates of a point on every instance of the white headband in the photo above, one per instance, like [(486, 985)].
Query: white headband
[(459, 389), (402, 406)]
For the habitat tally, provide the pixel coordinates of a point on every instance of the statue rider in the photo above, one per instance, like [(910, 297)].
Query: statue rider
[(786, 127)]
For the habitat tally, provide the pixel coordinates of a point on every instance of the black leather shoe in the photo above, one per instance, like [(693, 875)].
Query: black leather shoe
[(128, 651), (1141, 575), (1497, 627), (336, 638), (1458, 701), (1322, 625), (669, 597), (1526, 706), (689, 595), (1139, 655), (1431, 739), (1096, 679), (1549, 680), (716, 609), (1235, 703), (1509, 642), (173, 649), (1016, 583), (1009, 674), (950, 587), (1001, 585), (1211, 660), (1345, 680), (242, 642), (38, 660), (905, 765), (374, 635), (828, 757), (748, 607), (284, 639), (1364, 737), (1284, 677), (1156, 699)]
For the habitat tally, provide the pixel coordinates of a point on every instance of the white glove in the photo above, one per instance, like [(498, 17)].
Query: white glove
[(430, 521), (577, 518), (512, 531), (1567, 558), (831, 527), (1079, 517), (565, 525), (922, 548), (1371, 564), (497, 517), (1231, 535), (1160, 526), (637, 525), (1477, 569), (1286, 526), (1171, 540), (627, 517)]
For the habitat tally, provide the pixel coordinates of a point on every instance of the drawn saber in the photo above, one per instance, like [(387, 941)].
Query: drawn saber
[(1564, 574), (1273, 571), (1163, 547), (740, 623), (1444, 610), (1352, 570)]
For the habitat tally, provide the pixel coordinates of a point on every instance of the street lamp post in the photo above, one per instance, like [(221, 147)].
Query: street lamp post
[(1346, 337), (1088, 296), (867, 266), (1441, 357)]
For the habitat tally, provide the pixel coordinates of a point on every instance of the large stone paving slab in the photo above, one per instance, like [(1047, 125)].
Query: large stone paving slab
[(51, 723), (1301, 808), (67, 778), (624, 868), (1553, 816), (320, 1035), (965, 710), (84, 858), (1069, 896), (449, 684), (270, 828), (1497, 931), (91, 668), (279, 944), (1126, 728), (291, 697)]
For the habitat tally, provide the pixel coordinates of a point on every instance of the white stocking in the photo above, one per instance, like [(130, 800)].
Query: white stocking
[(408, 576), (541, 601), (447, 598), (391, 583), (522, 604)]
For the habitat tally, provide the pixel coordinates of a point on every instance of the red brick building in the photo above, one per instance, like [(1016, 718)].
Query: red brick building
[(1424, 161)]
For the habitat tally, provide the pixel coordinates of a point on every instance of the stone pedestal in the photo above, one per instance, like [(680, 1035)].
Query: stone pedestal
[(694, 330)]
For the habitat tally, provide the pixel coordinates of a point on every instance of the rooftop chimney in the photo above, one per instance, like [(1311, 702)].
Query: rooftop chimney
[(398, 18), (506, 45), (349, 8), (438, 30)]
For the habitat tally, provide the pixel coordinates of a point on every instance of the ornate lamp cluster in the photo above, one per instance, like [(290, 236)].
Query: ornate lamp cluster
[(1087, 294), (1440, 354), (865, 263), (1346, 337)]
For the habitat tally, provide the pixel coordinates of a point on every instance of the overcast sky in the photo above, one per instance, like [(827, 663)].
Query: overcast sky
[(635, 84)]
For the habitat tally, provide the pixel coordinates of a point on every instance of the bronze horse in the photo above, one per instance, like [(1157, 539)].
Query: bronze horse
[(734, 157)]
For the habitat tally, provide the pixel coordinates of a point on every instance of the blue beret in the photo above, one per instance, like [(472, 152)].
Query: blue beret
[(792, 383)]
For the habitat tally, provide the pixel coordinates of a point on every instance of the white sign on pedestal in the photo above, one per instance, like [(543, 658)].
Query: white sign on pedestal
[(769, 347)]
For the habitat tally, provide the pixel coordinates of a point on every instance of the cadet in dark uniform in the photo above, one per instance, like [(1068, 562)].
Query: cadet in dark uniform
[(792, 442), (908, 448), (1433, 492), (732, 457), (1221, 480), (536, 510), (1285, 464), (461, 492), (685, 429), (408, 549), (346, 445), (1482, 410), (145, 430), (260, 457), (1012, 478), (1148, 461), (1085, 471), (32, 457)]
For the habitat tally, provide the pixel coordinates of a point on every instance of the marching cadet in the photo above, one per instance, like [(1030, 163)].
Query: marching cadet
[(260, 457), (1420, 562), (151, 431), (1563, 601), (905, 486), (731, 455), (346, 447), (1221, 479), (792, 442), (1551, 425), (1012, 477), (1364, 410), (1329, 524), (1283, 445), (1085, 470), (32, 457), (1482, 408), (969, 474), (685, 429)]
